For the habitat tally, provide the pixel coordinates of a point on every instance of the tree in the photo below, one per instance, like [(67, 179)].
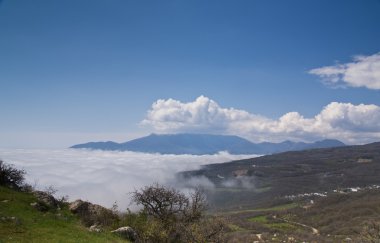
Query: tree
[(174, 217), (10, 176), (164, 204)]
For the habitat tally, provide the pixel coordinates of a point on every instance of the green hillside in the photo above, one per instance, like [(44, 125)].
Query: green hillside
[(21, 222)]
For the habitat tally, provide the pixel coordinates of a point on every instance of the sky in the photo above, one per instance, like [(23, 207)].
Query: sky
[(90, 70)]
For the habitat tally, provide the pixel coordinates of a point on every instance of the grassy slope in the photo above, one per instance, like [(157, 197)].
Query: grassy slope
[(336, 217), (341, 214), (246, 224), (20, 222)]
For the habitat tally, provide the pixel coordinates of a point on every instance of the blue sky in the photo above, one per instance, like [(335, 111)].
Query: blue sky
[(74, 71)]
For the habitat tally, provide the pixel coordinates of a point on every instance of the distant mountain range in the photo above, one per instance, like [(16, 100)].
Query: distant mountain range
[(200, 144)]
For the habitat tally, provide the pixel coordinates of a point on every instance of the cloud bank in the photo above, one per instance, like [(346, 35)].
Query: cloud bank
[(344, 121), (104, 177), (364, 71)]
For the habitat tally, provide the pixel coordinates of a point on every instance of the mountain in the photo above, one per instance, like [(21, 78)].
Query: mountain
[(199, 144)]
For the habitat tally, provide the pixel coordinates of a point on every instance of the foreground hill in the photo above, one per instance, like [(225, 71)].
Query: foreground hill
[(267, 179), (199, 144), (21, 222)]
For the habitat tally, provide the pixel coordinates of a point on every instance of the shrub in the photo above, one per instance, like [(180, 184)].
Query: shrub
[(10, 176), (103, 217), (164, 204), (170, 216), (371, 232)]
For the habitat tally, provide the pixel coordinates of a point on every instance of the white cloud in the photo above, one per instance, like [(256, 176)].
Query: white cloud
[(201, 115), (104, 177), (345, 121), (364, 71)]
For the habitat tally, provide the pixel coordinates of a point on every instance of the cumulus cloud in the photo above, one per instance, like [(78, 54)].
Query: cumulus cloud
[(345, 121), (201, 115), (104, 177), (364, 71)]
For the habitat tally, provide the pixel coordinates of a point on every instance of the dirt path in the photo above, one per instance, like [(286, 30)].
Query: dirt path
[(314, 230)]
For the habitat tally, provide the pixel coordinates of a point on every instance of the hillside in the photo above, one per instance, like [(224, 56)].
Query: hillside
[(317, 195), (199, 144), (267, 179), (21, 222), (339, 217)]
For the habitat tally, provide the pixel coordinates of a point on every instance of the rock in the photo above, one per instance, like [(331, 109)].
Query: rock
[(92, 214), (82, 207), (40, 206), (95, 228), (78, 206), (46, 198), (126, 232)]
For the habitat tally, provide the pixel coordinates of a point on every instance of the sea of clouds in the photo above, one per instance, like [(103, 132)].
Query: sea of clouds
[(105, 177)]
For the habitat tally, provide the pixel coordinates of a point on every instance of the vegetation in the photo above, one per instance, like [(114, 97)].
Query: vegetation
[(342, 215), (339, 217), (168, 215), (10, 176), (371, 232), (260, 219), (20, 222), (26, 218)]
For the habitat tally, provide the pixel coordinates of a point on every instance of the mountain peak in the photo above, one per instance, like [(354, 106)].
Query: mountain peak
[(199, 144)]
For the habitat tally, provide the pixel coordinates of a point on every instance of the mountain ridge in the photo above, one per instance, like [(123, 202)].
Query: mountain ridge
[(201, 144)]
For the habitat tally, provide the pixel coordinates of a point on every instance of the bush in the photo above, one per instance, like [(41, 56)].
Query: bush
[(103, 217), (10, 176), (371, 232), (170, 216), (164, 204)]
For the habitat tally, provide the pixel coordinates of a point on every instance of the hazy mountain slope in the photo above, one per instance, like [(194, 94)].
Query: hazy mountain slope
[(203, 144), (263, 179)]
